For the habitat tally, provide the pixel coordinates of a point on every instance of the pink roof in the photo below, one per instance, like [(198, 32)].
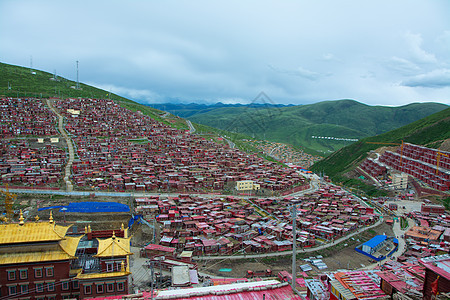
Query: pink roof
[(155, 247)]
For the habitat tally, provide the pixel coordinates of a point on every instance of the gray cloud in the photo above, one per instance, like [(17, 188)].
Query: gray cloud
[(402, 66), (434, 79), (299, 72), (153, 51)]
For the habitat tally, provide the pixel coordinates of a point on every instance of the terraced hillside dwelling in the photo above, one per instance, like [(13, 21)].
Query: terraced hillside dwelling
[(429, 166), (121, 150)]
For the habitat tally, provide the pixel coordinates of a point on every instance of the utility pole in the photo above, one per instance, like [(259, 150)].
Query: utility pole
[(152, 272), (154, 230), (294, 246)]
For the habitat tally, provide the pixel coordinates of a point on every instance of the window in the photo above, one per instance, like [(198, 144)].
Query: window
[(120, 286), (75, 284), (11, 275), (109, 267), (110, 287), (65, 285), (87, 289), (24, 288), (12, 290), (23, 274), (99, 288), (51, 286), (38, 272), (49, 271), (39, 287)]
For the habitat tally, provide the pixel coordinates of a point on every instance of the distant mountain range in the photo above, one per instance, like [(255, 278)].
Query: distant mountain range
[(191, 109), (324, 127), (321, 127)]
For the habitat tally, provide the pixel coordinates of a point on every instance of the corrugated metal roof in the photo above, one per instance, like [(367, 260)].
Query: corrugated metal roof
[(277, 293), (31, 232)]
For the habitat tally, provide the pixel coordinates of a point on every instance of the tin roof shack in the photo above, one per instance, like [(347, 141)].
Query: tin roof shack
[(437, 275), (316, 289), (156, 250), (362, 284), (434, 209), (175, 159), (400, 281), (21, 163), (26, 117), (423, 234)]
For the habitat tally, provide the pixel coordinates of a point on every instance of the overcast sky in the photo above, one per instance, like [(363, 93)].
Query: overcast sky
[(377, 52)]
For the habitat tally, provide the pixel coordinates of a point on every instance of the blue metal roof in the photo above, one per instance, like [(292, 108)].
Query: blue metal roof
[(375, 241)]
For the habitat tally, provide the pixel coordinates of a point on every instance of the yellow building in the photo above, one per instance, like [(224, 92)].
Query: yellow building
[(247, 185), (39, 260)]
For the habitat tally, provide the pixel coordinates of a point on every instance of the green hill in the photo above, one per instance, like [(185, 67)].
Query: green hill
[(18, 81), (431, 131), (311, 126)]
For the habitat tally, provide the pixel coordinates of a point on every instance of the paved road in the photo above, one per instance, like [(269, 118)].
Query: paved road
[(305, 250), (230, 143), (62, 130), (398, 232), (191, 127)]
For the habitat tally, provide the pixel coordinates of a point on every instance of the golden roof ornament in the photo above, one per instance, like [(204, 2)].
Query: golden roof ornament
[(21, 222), (122, 266), (121, 227), (51, 217), (89, 228), (36, 218), (114, 235)]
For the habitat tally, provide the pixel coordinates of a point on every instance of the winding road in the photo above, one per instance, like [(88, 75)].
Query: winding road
[(62, 130)]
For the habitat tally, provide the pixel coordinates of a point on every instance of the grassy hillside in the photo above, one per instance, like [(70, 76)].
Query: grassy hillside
[(18, 81), (430, 131), (297, 125)]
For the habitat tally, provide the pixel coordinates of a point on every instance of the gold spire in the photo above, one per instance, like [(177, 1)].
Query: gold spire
[(114, 235), (85, 229), (36, 218), (89, 228), (121, 227), (51, 218), (122, 266), (21, 222)]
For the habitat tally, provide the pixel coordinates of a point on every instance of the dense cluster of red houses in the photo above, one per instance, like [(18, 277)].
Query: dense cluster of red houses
[(26, 117), (224, 226), (123, 150), (431, 166), (21, 163)]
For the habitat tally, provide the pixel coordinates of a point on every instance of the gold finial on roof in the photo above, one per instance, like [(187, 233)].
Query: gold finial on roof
[(121, 227), (36, 218), (85, 229), (114, 235), (89, 228), (21, 222), (51, 217), (122, 266)]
